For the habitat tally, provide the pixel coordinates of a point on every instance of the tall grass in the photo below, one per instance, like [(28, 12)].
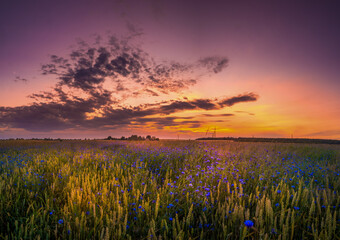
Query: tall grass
[(168, 190)]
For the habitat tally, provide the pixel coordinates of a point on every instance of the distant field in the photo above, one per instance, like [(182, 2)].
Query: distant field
[(168, 190)]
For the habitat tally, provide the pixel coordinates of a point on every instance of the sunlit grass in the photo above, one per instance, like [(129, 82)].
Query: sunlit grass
[(168, 190)]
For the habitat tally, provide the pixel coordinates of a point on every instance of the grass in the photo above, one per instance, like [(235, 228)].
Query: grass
[(168, 190)]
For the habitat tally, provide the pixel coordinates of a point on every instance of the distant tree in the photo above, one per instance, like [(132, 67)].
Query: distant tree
[(109, 138), (133, 137)]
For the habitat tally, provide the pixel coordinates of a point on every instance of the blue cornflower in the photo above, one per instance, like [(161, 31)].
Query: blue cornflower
[(170, 218), (277, 204), (249, 223), (60, 221), (296, 208)]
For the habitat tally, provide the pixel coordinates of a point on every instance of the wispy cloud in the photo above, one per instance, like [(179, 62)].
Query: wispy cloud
[(330, 133), (20, 79)]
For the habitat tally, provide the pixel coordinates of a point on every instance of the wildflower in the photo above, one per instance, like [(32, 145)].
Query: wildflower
[(278, 191), (277, 204), (60, 221), (249, 223), (296, 208), (170, 218)]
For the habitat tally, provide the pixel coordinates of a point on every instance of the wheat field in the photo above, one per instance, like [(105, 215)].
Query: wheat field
[(168, 190)]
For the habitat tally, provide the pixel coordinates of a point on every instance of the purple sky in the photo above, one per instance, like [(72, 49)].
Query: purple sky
[(267, 43)]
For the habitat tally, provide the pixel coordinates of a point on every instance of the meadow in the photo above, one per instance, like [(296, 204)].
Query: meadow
[(168, 190)]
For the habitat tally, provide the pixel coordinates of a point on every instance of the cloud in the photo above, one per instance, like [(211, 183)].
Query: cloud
[(329, 133), (249, 113), (215, 63), (20, 79), (218, 115), (248, 97), (54, 115), (122, 62), (205, 104), (96, 83), (66, 112)]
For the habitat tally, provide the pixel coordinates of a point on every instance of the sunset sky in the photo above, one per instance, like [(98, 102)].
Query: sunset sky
[(90, 69)]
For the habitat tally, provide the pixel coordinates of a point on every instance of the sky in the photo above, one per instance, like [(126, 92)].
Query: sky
[(172, 69)]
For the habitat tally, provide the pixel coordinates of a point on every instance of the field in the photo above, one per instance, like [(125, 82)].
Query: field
[(168, 190)]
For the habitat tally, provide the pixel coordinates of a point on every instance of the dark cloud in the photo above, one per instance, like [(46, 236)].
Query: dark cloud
[(205, 104), (54, 115), (65, 112), (218, 115), (88, 66), (248, 97)]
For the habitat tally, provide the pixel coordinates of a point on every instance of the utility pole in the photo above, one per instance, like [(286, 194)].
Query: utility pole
[(214, 133), (206, 133)]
